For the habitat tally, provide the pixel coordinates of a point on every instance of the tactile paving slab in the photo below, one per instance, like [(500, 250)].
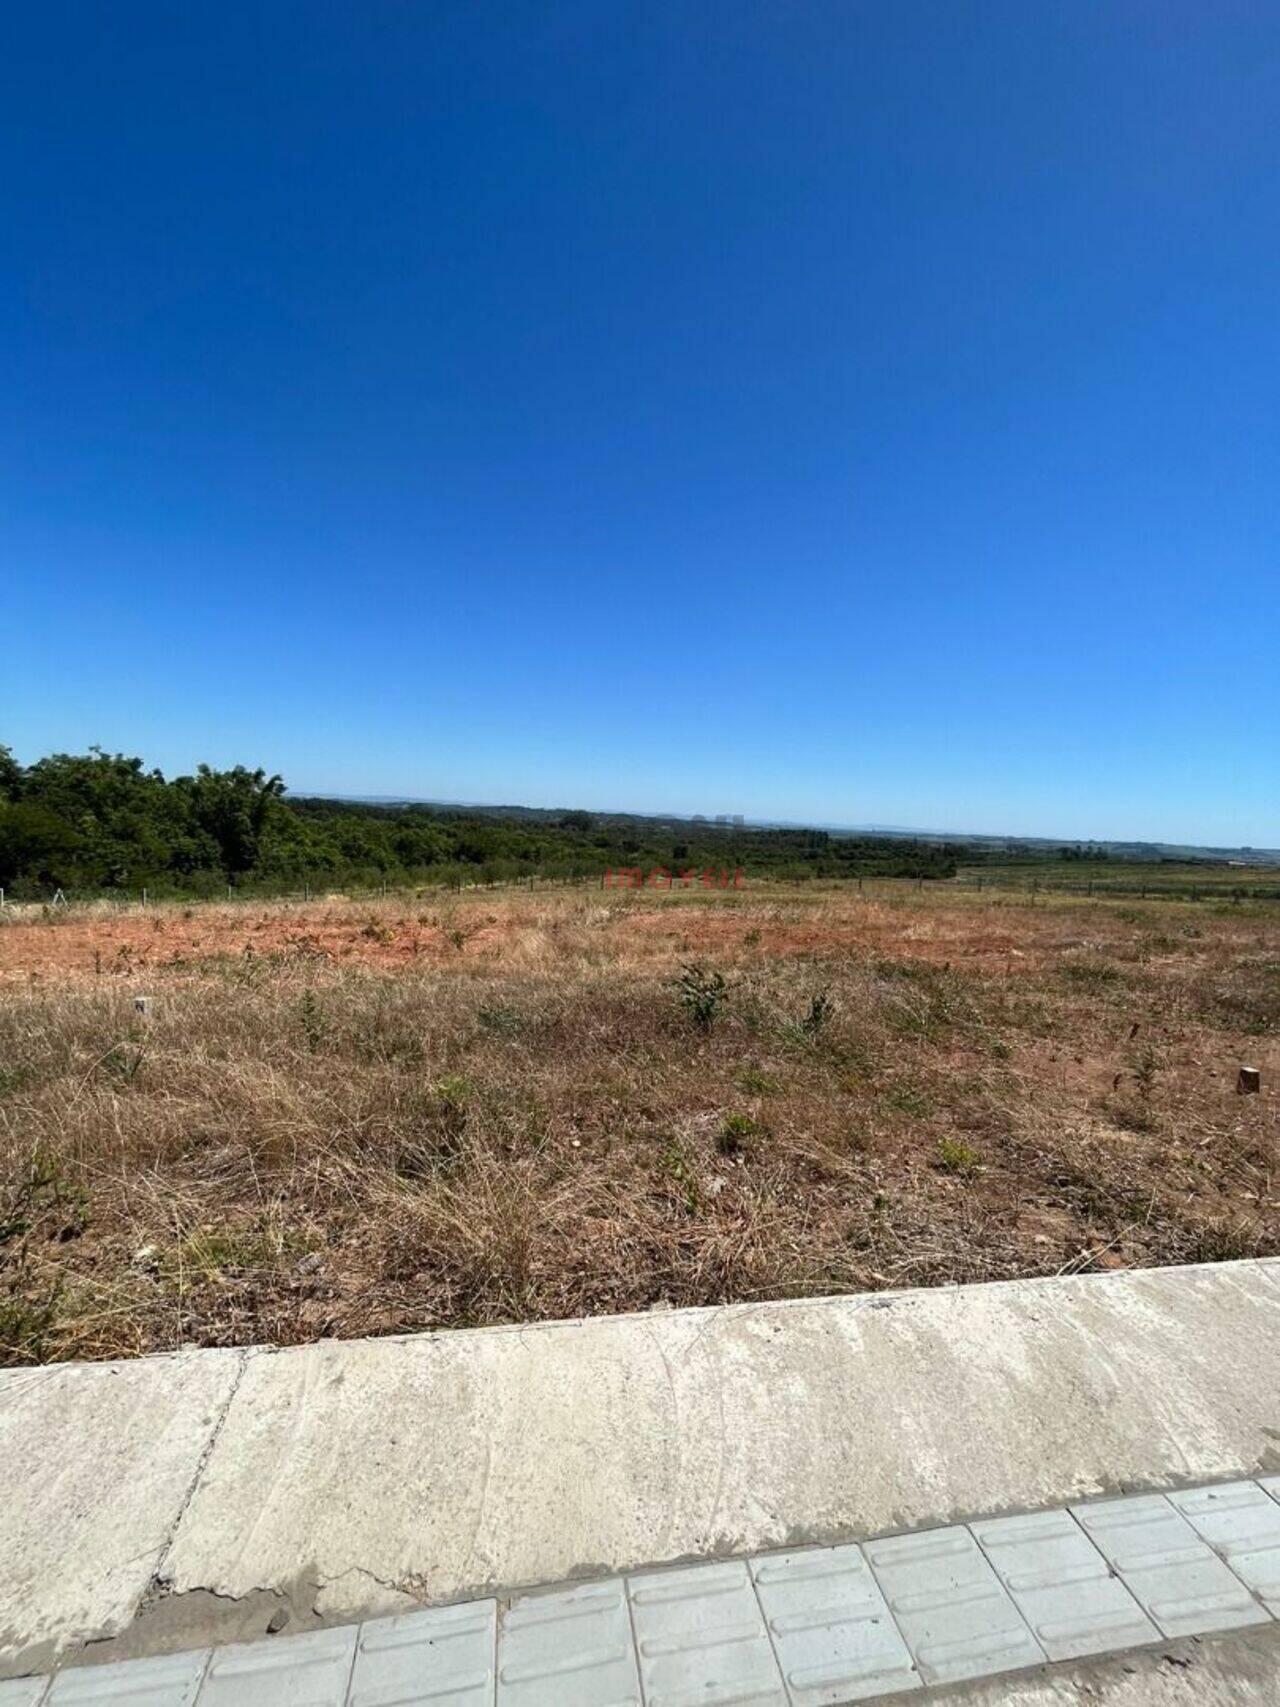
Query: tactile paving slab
[(1063, 1586), (444, 1657), (702, 1639), (1177, 1578), (834, 1636), (816, 1627), (284, 1671), (950, 1606), (1242, 1525), (569, 1650), (22, 1691), (172, 1680)]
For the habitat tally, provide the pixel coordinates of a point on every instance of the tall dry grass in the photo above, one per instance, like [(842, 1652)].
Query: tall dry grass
[(396, 1116)]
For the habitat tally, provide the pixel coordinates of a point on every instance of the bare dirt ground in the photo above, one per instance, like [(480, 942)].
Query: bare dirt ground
[(349, 1118)]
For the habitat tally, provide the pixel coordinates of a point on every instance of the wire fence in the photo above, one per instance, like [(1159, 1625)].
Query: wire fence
[(1151, 888), (309, 890)]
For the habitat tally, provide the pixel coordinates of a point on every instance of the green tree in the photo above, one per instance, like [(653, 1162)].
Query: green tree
[(235, 808), (36, 844), (11, 775)]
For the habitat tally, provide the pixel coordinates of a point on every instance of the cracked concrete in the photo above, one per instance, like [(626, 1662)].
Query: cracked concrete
[(221, 1491), (98, 1462), (160, 1581)]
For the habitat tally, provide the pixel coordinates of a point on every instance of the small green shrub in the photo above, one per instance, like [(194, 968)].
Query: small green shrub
[(1144, 1072), (756, 1083), (957, 1157), (312, 1021), (675, 1163), (500, 1018), (703, 994), (736, 1130), (910, 1099), (25, 1325), (38, 1191)]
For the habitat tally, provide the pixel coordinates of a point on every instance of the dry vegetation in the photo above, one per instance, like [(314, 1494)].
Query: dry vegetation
[(349, 1119)]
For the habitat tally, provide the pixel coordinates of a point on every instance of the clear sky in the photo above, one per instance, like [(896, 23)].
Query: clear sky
[(862, 411)]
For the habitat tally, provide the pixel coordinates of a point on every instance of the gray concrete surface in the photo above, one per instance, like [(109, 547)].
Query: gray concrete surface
[(96, 1462), (349, 1479), (541, 1454)]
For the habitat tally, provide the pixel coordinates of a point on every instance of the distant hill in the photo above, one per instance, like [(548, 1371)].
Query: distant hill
[(987, 843)]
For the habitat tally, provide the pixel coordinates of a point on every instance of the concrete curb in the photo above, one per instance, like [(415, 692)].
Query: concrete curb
[(171, 1501)]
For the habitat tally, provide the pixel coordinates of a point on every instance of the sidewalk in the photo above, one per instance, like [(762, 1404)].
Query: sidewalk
[(1013, 1600), (195, 1499)]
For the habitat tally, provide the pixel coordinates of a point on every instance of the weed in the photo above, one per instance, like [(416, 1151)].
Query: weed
[(1091, 974), (703, 994), (910, 1099), (312, 1021), (1227, 1241), (39, 1192), (453, 1098), (1144, 1072), (756, 1083), (461, 935), (210, 1253), (957, 1157), (1130, 1117), (735, 1132), (500, 1018), (122, 1062), (676, 1164), (26, 1323)]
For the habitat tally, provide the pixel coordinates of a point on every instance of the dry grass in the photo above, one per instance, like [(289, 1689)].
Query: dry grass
[(349, 1119)]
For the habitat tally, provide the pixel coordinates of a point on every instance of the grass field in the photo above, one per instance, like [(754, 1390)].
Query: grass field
[(1172, 879), (349, 1118)]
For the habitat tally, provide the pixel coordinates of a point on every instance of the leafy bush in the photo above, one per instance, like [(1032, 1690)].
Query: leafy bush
[(735, 1132), (703, 994), (957, 1157)]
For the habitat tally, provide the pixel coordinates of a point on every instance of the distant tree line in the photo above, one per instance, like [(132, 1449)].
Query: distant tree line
[(101, 822)]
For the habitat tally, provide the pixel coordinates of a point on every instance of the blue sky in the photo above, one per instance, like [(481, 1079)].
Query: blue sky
[(853, 412)]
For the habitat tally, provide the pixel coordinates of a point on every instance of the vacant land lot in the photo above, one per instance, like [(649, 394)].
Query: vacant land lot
[(360, 1118)]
